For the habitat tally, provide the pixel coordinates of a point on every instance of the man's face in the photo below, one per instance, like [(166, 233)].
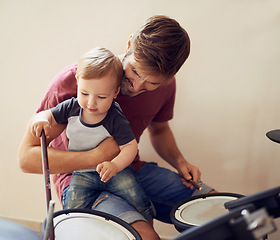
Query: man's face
[(135, 80)]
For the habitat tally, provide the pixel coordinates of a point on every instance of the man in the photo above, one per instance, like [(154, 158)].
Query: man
[(154, 55)]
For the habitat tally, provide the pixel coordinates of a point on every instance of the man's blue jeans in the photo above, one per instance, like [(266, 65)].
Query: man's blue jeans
[(163, 186)]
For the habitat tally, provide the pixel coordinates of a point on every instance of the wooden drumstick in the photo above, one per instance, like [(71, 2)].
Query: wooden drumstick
[(45, 166), (195, 185), (46, 173)]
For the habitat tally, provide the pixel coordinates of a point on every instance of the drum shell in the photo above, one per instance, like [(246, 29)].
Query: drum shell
[(182, 225), (108, 221)]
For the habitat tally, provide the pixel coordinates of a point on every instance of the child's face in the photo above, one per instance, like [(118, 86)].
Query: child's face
[(95, 96)]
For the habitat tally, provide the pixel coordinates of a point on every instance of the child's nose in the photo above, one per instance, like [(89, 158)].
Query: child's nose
[(92, 102)]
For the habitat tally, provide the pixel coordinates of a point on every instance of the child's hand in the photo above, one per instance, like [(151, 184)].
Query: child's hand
[(107, 170), (37, 127)]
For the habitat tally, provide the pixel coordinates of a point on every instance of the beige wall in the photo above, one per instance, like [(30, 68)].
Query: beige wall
[(228, 91)]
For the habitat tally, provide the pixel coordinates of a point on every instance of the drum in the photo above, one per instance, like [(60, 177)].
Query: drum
[(229, 226), (90, 224), (197, 210)]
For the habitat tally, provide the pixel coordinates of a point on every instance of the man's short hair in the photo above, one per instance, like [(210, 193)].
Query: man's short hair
[(161, 46)]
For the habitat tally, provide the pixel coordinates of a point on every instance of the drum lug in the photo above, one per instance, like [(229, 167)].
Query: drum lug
[(255, 225), (259, 223)]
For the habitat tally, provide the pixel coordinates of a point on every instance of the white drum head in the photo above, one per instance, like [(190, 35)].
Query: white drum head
[(87, 226), (201, 210)]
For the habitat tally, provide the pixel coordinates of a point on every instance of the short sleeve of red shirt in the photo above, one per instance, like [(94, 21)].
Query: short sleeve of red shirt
[(62, 87)]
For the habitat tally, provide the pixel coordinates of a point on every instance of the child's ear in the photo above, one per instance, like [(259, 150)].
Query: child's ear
[(77, 79), (117, 92)]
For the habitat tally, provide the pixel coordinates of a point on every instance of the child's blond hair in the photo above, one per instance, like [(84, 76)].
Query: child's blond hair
[(99, 62)]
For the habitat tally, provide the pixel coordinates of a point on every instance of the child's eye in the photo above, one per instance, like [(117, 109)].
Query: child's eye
[(101, 97), (85, 94)]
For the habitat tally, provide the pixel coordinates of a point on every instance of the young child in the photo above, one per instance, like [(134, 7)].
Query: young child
[(92, 117)]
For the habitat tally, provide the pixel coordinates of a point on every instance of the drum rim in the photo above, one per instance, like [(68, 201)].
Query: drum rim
[(182, 225), (180, 210), (216, 223), (104, 215)]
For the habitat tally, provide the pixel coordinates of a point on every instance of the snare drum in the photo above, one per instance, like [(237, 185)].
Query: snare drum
[(90, 224), (197, 210)]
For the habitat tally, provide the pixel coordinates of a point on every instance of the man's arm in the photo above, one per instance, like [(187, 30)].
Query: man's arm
[(60, 161), (165, 145), (126, 156)]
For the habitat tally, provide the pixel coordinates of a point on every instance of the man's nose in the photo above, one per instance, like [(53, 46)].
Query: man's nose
[(138, 85)]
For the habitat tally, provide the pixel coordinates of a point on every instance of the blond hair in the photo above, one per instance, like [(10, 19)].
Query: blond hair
[(161, 46), (99, 62)]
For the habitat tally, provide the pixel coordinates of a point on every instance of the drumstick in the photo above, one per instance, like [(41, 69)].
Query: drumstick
[(195, 185), (46, 173), (45, 166)]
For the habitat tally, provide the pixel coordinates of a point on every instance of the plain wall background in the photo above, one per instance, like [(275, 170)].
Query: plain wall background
[(227, 95)]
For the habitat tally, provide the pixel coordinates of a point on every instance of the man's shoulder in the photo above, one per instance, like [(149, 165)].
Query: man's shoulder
[(66, 74)]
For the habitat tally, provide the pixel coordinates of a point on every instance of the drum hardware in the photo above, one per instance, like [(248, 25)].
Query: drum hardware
[(268, 199), (274, 135), (49, 221), (259, 223), (238, 224), (251, 224), (268, 202), (248, 218)]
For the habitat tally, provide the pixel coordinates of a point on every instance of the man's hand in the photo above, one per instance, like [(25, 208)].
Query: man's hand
[(188, 172)]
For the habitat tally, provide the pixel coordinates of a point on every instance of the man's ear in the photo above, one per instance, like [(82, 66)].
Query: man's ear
[(128, 43)]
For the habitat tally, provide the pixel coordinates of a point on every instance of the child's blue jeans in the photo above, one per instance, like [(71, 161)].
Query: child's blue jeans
[(85, 187)]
